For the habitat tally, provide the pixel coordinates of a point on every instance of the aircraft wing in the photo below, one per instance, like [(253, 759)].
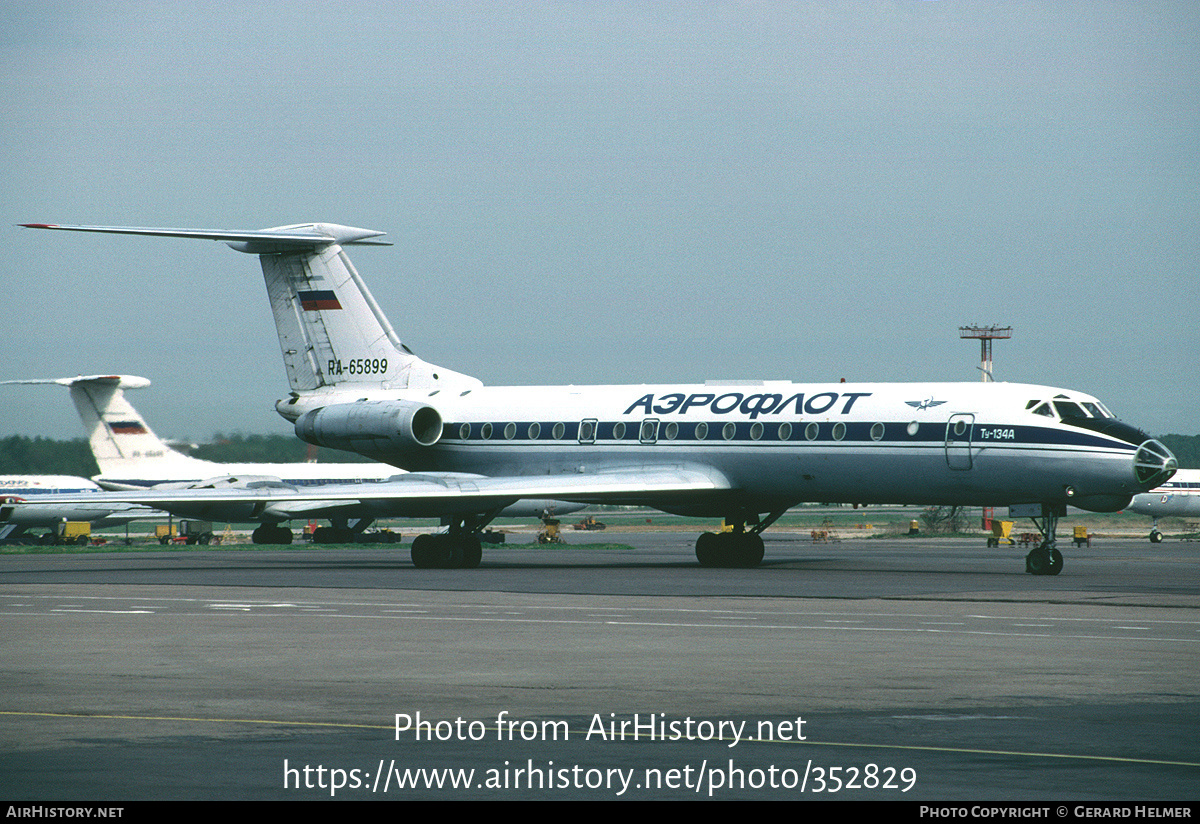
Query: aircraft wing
[(430, 494)]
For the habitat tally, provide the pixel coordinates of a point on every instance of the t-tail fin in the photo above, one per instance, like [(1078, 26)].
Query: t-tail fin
[(123, 444), (332, 333)]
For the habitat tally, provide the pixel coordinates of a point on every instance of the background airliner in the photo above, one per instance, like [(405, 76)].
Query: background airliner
[(16, 517), (744, 451), (1179, 497), (132, 457)]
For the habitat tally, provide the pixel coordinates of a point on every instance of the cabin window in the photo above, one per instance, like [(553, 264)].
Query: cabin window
[(701, 431), (672, 431), (839, 431), (811, 431), (510, 431), (756, 431), (535, 429), (728, 431), (486, 431), (619, 430), (785, 431), (877, 431), (464, 431)]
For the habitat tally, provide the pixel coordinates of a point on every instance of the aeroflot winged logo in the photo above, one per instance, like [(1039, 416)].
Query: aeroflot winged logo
[(315, 301), (753, 405), (928, 403)]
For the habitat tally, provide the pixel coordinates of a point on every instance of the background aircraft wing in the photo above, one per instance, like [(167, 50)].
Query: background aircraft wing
[(431, 494)]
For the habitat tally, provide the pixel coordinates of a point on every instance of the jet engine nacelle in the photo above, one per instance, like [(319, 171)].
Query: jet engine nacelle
[(372, 427)]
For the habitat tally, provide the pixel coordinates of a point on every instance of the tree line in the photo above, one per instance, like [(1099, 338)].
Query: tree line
[(22, 455)]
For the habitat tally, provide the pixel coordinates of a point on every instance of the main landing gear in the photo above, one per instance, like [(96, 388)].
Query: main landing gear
[(341, 531), (459, 548), (1045, 559), (738, 549), (447, 551), (271, 534)]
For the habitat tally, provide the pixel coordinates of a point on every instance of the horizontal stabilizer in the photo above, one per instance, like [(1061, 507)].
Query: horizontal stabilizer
[(119, 381), (296, 238)]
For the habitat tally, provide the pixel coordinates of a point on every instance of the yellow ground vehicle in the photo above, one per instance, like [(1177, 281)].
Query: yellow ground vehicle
[(550, 532), (1001, 534), (73, 532)]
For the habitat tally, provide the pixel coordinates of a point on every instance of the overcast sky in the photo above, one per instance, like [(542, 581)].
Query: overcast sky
[(606, 192)]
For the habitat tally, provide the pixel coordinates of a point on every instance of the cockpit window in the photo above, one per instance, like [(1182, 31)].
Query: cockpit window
[(1044, 409), (1069, 410), (1095, 410)]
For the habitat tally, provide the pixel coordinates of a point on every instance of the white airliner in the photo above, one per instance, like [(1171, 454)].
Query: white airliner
[(745, 451), (1178, 497), (131, 457), (17, 490)]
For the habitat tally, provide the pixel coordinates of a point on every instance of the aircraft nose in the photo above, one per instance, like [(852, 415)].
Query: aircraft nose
[(1153, 464)]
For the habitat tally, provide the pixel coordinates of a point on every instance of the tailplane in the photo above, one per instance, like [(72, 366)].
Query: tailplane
[(332, 333)]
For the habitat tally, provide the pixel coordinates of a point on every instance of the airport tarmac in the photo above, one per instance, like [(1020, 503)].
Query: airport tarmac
[(921, 669)]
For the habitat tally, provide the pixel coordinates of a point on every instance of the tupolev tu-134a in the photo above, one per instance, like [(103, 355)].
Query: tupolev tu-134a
[(745, 451)]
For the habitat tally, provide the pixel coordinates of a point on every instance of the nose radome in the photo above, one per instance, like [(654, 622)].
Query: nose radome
[(1153, 464)]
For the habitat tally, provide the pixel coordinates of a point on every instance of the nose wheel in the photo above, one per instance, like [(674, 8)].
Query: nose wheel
[(1045, 559), (1156, 535)]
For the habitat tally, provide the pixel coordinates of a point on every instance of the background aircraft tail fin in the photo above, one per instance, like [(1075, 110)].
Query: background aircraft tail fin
[(123, 444)]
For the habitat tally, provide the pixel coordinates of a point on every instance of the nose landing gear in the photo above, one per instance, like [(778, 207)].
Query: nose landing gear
[(1045, 559)]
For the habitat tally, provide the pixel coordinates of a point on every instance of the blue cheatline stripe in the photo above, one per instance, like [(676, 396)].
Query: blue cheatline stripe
[(151, 483), (24, 491), (769, 432)]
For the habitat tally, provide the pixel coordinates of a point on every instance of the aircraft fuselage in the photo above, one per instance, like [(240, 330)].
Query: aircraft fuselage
[(776, 443)]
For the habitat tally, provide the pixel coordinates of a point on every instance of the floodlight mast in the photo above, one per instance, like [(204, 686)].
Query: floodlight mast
[(985, 335)]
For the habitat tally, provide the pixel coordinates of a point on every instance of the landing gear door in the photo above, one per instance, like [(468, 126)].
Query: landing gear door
[(958, 440)]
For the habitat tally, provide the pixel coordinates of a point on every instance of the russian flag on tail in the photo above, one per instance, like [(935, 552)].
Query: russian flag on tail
[(315, 301)]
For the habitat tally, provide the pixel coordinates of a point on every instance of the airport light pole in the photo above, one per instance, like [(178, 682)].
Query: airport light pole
[(985, 335)]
